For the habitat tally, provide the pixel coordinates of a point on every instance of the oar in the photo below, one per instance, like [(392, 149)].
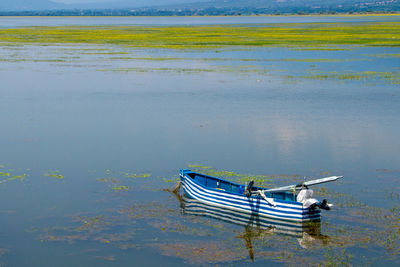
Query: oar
[(299, 186)]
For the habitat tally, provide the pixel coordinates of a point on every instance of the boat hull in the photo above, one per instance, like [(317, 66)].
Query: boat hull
[(283, 210)]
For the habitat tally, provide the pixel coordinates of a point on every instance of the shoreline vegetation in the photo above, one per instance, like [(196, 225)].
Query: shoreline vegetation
[(292, 35)]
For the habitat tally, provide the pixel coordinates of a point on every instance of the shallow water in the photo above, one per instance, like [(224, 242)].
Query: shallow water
[(82, 127)]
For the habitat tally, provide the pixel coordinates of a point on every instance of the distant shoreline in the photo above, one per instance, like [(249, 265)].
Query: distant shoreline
[(220, 16), (127, 13)]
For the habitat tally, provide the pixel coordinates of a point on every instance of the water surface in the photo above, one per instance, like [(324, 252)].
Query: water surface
[(12, 22), (91, 135)]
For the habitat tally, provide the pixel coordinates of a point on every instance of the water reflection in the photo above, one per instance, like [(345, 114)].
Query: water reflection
[(255, 227)]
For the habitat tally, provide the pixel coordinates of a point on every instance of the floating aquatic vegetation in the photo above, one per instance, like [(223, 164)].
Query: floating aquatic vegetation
[(175, 226), (175, 70), (19, 177), (312, 60), (145, 210), (90, 223), (200, 253), (385, 170), (54, 174), (298, 35), (118, 237), (134, 175), (120, 188), (390, 77), (109, 180), (106, 53), (61, 234), (112, 228), (126, 246), (172, 180), (107, 258), (97, 228), (10, 176), (386, 55)]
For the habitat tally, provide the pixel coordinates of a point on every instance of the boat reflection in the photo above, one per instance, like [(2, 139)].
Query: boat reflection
[(308, 234)]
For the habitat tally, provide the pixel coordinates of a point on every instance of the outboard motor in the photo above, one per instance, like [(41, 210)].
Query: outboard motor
[(324, 205)]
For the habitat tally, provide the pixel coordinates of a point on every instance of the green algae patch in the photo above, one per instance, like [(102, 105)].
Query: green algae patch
[(15, 177), (54, 174), (134, 175), (298, 35), (11, 175), (201, 253), (113, 180), (311, 60), (364, 76), (171, 180), (170, 70), (120, 188), (107, 258), (89, 223), (18, 177), (386, 55)]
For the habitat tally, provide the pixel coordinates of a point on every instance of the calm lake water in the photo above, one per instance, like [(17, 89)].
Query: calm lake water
[(91, 135)]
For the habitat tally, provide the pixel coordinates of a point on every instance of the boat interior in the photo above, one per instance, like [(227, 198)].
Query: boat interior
[(223, 185)]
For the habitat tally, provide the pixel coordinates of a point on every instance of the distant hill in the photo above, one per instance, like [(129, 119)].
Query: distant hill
[(293, 6), (29, 5)]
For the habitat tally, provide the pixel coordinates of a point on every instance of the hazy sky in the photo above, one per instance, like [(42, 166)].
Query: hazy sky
[(81, 1), (161, 2)]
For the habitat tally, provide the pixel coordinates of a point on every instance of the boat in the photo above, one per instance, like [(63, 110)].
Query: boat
[(282, 203)]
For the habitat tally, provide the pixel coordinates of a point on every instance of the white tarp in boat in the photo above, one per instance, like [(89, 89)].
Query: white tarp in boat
[(305, 197)]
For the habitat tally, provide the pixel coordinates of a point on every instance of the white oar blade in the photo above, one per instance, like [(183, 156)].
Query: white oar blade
[(308, 183), (322, 180)]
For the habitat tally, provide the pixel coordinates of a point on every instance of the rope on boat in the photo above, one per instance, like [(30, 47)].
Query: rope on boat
[(174, 189), (177, 187), (269, 200)]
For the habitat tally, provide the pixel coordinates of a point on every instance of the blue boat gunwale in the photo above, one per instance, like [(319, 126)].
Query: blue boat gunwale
[(187, 171)]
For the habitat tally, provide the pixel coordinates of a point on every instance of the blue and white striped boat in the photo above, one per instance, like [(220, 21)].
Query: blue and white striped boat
[(276, 203)]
